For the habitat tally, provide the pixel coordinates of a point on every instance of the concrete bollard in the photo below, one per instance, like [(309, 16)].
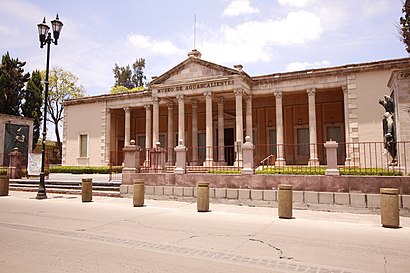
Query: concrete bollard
[(285, 201), (87, 189), (4, 185), (202, 197), (138, 193), (389, 205)]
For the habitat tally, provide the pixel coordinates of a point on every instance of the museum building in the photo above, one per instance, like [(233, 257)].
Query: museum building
[(210, 109)]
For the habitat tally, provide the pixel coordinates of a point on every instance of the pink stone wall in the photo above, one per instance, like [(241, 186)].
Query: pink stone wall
[(320, 183)]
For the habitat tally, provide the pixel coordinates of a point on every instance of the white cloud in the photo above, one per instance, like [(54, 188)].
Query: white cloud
[(155, 46), (252, 41), (239, 7), (294, 3), (297, 66)]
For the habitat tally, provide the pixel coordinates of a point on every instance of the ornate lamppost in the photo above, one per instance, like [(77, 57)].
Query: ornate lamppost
[(45, 38)]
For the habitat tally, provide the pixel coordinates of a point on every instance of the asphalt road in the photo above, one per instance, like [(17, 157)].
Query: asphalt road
[(62, 234)]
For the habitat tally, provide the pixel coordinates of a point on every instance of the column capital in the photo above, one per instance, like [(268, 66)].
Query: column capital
[(311, 91), (345, 89), (278, 94), (208, 94), (147, 106), (127, 109), (170, 105), (248, 97), (238, 92), (194, 103), (220, 100), (156, 99), (180, 97)]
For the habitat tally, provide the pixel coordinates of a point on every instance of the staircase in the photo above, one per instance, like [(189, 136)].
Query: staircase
[(111, 188)]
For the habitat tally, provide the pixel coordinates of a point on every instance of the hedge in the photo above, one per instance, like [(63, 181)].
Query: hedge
[(85, 169)]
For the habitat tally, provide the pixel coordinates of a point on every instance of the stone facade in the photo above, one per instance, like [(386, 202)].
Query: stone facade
[(204, 104)]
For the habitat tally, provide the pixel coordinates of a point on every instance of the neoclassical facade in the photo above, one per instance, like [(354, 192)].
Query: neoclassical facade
[(210, 109)]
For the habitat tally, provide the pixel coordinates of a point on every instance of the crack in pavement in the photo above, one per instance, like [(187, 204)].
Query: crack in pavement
[(280, 252)]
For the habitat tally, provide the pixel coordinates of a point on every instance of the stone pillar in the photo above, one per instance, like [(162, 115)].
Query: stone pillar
[(202, 202), (247, 149), (280, 158), (239, 126), (347, 129), (148, 139), (389, 207), (181, 118), (87, 190), (15, 170), (331, 155), (313, 160), (180, 164), (155, 121), (194, 161), (285, 201), (248, 118), (221, 131), (132, 163), (127, 130), (108, 137), (170, 161), (209, 158)]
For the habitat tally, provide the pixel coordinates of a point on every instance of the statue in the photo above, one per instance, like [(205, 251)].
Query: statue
[(389, 128)]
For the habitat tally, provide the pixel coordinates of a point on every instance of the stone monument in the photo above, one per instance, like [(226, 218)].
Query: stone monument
[(389, 128)]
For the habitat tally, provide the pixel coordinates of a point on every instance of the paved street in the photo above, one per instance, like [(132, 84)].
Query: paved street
[(62, 234)]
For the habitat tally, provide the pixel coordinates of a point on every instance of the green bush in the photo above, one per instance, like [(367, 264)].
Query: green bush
[(85, 169), (293, 171), (369, 171)]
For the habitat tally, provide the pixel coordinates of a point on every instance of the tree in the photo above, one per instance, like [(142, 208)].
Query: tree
[(63, 85), (138, 77), (123, 76), (12, 82), (130, 79), (32, 101), (405, 25)]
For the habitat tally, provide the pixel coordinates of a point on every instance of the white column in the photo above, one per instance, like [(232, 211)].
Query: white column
[(181, 119), (239, 126), (148, 136), (170, 133), (127, 111), (248, 118), (209, 157), (280, 159), (108, 136), (313, 160), (221, 131), (155, 124), (347, 127), (194, 132)]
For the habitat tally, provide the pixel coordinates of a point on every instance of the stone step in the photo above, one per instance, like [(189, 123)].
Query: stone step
[(68, 191)]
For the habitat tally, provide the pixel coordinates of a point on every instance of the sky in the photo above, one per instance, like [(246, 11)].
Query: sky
[(265, 36)]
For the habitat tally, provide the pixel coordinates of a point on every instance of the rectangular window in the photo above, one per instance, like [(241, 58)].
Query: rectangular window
[(272, 142), (303, 141), (83, 145)]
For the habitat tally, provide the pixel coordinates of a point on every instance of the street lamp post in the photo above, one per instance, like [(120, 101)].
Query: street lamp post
[(45, 38)]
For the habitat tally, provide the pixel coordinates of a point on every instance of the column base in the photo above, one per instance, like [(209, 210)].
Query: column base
[(280, 162), (208, 163), (313, 162)]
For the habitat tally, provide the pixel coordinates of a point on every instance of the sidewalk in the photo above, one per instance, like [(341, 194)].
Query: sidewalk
[(109, 235)]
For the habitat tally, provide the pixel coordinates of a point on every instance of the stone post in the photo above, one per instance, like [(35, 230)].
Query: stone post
[(331, 155), (131, 162), (4, 185), (203, 196), (87, 190), (247, 149), (180, 164), (15, 170), (389, 205), (138, 193), (285, 201)]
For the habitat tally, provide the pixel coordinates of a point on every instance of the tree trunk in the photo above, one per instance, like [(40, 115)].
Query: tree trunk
[(59, 144)]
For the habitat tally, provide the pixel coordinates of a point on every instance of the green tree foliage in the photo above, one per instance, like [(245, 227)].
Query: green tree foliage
[(32, 102), (12, 82), (405, 25), (63, 85), (127, 80)]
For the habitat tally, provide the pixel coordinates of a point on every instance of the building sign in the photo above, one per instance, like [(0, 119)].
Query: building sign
[(196, 86)]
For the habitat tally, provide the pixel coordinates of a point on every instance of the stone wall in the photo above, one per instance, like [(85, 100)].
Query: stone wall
[(316, 183)]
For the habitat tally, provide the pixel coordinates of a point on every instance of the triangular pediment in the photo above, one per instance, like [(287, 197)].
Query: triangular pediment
[(194, 69)]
